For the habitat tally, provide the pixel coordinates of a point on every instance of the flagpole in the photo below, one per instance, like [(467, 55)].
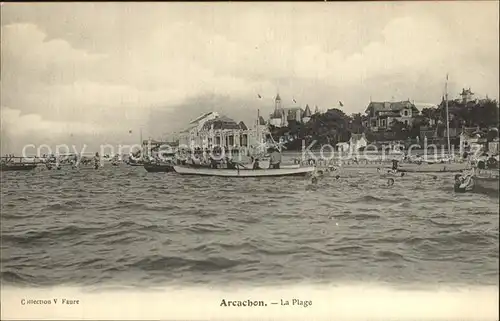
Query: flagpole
[(447, 115)]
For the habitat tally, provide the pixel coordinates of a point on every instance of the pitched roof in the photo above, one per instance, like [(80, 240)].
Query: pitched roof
[(390, 106), (261, 120), (202, 116), (243, 126), (277, 97), (307, 112), (221, 122)]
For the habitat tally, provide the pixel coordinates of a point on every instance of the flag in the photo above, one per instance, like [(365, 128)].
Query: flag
[(259, 96), (341, 104), (294, 100), (446, 76)]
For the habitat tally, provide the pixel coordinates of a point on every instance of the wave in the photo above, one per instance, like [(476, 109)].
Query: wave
[(62, 206), (49, 235), (207, 228), (373, 199), (163, 263)]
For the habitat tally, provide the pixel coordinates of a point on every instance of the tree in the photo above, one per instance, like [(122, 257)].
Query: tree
[(356, 123), (418, 122), (483, 113), (400, 129)]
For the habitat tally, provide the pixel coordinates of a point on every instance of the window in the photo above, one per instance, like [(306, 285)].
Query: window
[(383, 123), (405, 113), (243, 140), (406, 122)]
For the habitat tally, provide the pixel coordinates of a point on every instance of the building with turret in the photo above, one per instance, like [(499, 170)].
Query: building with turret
[(281, 116), (467, 95)]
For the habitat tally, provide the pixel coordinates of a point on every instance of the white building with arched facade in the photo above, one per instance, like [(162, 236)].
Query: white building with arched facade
[(211, 129)]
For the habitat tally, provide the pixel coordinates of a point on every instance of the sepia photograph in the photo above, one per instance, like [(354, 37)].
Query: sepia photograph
[(250, 160)]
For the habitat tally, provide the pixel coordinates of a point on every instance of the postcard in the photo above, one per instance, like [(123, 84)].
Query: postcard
[(250, 160)]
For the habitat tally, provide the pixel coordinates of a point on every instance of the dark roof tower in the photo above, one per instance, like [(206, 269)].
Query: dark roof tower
[(307, 112)]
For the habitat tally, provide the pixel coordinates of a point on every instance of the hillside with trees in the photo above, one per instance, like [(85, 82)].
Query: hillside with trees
[(335, 126)]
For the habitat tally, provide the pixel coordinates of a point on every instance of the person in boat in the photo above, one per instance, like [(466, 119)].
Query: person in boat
[(229, 163), (492, 162), (212, 162), (275, 160), (459, 181), (255, 162)]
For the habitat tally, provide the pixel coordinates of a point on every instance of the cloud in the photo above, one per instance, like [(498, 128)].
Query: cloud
[(14, 123)]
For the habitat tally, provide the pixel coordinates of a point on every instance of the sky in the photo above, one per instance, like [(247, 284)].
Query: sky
[(96, 73)]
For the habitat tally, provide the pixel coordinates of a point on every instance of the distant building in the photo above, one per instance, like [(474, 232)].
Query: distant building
[(467, 95), (281, 116), (211, 129), (357, 141), (342, 147), (382, 114)]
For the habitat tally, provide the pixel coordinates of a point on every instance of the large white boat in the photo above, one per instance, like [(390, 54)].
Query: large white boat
[(243, 172)]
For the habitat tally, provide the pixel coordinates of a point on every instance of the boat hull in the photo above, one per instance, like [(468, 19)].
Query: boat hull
[(480, 181), (301, 171), (433, 168), (164, 168), (486, 184), (7, 168)]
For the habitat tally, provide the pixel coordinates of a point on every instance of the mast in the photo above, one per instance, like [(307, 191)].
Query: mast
[(258, 128), (141, 144), (447, 115)]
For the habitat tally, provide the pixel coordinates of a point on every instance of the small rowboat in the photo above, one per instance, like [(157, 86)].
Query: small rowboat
[(463, 183), (295, 171)]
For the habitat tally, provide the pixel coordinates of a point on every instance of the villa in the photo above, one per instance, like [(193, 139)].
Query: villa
[(382, 114)]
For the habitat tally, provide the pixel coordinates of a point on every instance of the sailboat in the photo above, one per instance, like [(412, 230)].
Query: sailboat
[(445, 165)]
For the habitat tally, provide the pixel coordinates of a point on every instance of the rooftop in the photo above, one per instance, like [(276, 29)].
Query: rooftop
[(390, 106), (223, 122)]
